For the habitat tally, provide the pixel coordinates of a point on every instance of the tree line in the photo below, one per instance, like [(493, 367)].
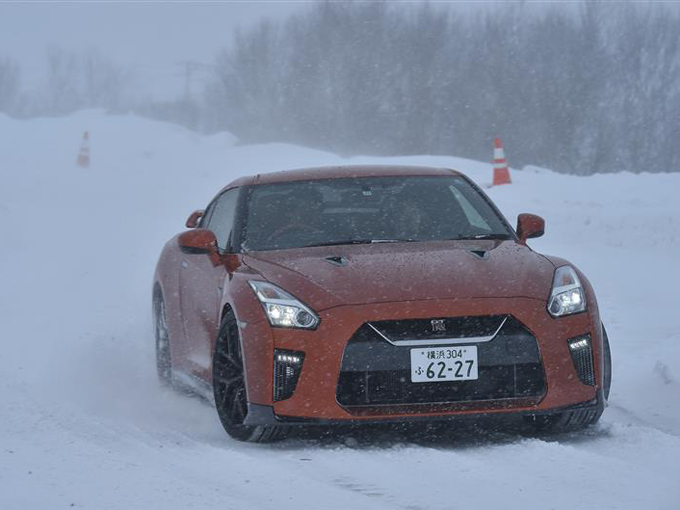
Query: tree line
[(596, 89), (580, 89), (72, 81)]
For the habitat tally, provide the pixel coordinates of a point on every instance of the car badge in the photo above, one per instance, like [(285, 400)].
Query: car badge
[(438, 325)]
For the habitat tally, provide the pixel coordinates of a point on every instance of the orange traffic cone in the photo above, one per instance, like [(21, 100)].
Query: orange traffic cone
[(501, 172), (84, 154)]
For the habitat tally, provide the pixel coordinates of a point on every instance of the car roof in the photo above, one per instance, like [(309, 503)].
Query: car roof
[(338, 172)]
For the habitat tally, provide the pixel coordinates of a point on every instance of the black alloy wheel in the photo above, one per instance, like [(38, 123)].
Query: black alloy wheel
[(163, 357), (229, 387)]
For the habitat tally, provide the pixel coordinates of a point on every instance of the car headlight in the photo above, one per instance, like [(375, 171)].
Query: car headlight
[(282, 309), (567, 295)]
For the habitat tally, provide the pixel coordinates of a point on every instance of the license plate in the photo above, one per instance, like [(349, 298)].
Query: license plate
[(444, 364)]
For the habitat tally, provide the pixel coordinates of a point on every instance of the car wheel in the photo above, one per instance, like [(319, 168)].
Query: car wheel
[(575, 420), (607, 383), (230, 389), (163, 358)]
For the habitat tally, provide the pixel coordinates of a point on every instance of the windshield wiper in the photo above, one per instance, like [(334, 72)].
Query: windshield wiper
[(482, 237), (405, 240), (360, 241)]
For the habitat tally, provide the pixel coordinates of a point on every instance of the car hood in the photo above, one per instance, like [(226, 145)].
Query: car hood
[(360, 274)]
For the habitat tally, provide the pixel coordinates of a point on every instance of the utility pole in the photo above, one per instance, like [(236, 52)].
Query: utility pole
[(190, 70)]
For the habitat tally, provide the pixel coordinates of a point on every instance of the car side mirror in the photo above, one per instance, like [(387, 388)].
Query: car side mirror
[(197, 241), (194, 218), (529, 226)]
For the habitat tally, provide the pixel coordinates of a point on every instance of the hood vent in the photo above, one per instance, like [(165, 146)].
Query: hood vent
[(482, 254), (336, 260)]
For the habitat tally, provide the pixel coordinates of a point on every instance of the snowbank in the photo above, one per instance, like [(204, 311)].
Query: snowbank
[(85, 423)]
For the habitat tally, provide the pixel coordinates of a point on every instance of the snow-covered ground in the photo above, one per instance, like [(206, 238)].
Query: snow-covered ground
[(83, 423)]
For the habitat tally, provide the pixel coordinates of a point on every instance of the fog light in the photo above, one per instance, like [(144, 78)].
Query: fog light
[(287, 368), (578, 343), (582, 357)]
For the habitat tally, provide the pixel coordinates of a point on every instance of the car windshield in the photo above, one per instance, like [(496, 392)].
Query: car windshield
[(367, 210)]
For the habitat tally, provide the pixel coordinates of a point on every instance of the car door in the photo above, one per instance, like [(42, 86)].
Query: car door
[(201, 285)]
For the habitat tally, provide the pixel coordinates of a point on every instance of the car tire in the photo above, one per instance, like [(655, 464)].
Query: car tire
[(230, 389), (162, 338), (607, 376), (571, 421)]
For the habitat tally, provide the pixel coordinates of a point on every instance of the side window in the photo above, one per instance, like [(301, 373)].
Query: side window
[(222, 215), (203, 222)]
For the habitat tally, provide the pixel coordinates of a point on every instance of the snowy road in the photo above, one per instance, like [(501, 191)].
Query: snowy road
[(83, 423)]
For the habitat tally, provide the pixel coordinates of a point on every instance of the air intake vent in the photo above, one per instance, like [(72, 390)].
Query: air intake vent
[(337, 260), (287, 368), (582, 356)]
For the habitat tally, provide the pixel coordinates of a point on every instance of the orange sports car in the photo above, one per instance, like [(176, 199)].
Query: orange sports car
[(371, 294)]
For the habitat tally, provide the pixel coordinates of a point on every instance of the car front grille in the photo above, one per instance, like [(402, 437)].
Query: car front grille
[(375, 371), (436, 330)]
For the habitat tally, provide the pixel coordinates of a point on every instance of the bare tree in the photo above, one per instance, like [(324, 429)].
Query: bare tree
[(82, 80), (62, 92), (9, 85), (103, 82)]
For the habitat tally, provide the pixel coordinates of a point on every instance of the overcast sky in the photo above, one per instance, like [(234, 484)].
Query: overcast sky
[(149, 38)]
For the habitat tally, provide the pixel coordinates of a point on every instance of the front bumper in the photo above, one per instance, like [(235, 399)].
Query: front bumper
[(264, 415), (315, 400)]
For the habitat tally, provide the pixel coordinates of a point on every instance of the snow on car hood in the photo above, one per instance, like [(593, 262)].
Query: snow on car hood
[(374, 273)]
